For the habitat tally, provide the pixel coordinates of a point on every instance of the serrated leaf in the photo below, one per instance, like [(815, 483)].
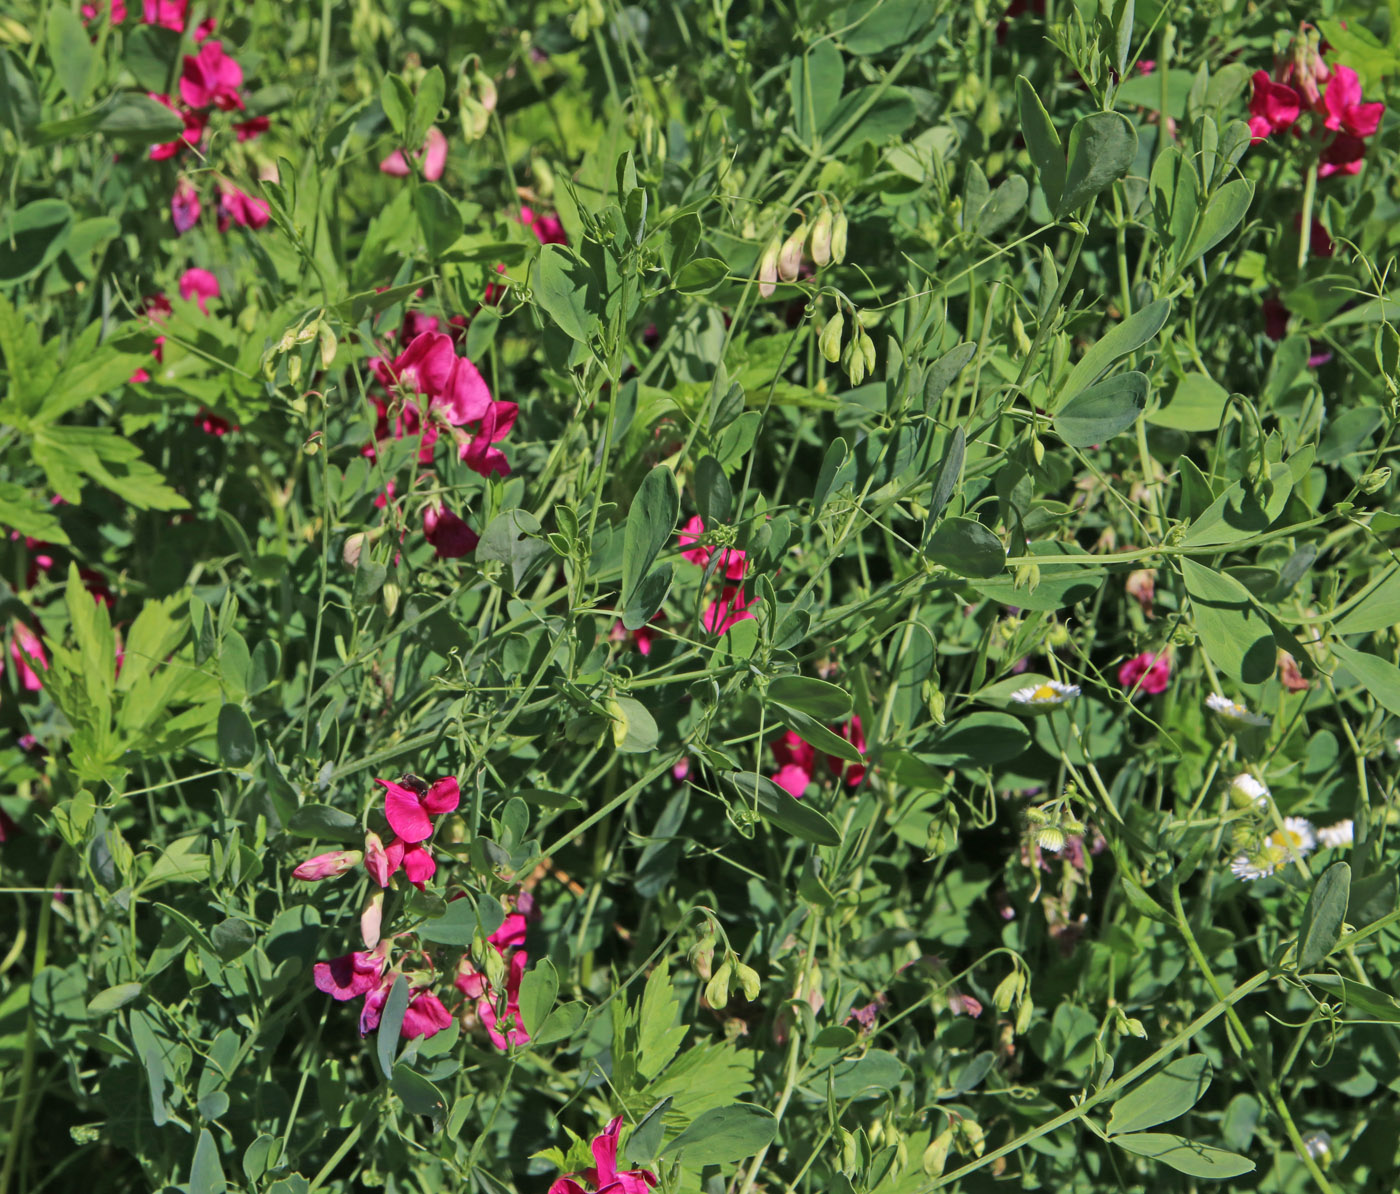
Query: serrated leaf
[(659, 1037)]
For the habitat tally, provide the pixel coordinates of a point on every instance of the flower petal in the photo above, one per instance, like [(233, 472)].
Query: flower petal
[(406, 815), (443, 796)]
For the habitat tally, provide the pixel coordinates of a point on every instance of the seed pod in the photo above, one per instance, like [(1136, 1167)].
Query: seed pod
[(790, 257), (1023, 1016), (838, 237), (308, 333), (390, 594), (768, 268), (820, 243), (830, 340)]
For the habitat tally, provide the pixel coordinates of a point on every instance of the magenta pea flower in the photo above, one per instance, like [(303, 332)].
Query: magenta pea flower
[(548, 230), (408, 809), (350, 976), (853, 773), (248, 130), (1147, 673), (480, 453), (796, 758), (1273, 107), (190, 138), (26, 650), (425, 1016), (200, 285), (184, 207), (511, 934), (384, 862), (604, 1177), (245, 210), (330, 865), (731, 608), (508, 1029), (733, 561), (433, 156), (450, 536), (211, 79), (1345, 111)]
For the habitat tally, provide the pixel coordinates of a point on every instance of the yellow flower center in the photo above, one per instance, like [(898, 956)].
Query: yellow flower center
[(1045, 692)]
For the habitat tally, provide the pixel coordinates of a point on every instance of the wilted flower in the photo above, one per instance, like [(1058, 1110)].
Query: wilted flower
[(1049, 695), (1334, 837), (1233, 713), (1289, 673), (1141, 587)]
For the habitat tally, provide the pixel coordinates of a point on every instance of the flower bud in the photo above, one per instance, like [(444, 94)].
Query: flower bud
[(294, 369), (717, 989), (936, 1155), (328, 347), (703, 955), (838, 237), (867, 348), (328, 866), (377, 862), (820, 243), (1050, 838), (830, 340), (485, 87), (748, 980), (1023, 1016), (1375, 480), (854, 360), (1008, 991), (354, 545), (768, 268), (970, 1136), (390, 594), (790, 256), (1134, 1026), (371, 918)]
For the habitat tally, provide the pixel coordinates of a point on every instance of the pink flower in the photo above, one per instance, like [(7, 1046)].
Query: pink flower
[(426, 365), (1275, 318), (247, 130), (514, 1028), (1146, 673), (184, 207), (547, 229), (732, 560), (372, 1010), (796, 758), (731, 608), (168, 14), (425, 1016), (480, 453), (211, 77), (408, 808), (327, 866), (470, 981), (450, 536), (380, 864), (26, 650), (433, 155), (239, 207), (1319, 243), (1342, 156), (1273, 107), (191, 137), (604, 1177), (1345, 111), (384, 862), (212, 424), (349, 976), (116, 8), (511, 934), (964, 1005), (200, 285), (853, 773)]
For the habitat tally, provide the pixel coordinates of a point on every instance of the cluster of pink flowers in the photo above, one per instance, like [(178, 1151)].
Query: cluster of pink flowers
[(797, 759), (209, 80), (732, 605), (168, 14), (409, 806), (1303, 83), (604, 1177)]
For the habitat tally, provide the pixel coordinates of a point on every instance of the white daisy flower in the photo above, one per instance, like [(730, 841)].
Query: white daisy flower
[(1296, 837), (1246, 790), (1048, 695), (1234, 713), (1334, 837), (1250, 867)]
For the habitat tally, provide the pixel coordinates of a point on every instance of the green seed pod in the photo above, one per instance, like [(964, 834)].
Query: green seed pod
[(293, 369), (830, 339), (819, 245), (838, 237)]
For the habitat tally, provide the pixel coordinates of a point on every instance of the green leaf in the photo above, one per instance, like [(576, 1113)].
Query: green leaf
[(232, 938), (1324, 915), (431, 89), (438, 217), (1185, 1156), (700, 275), (785, 811), (634, 728), (1197, 404), (262, 1154), (815, 83), (814, 733), (723, 1135), (238, 742), (565, 288), (816, 698), (1042, 142), (659, 1035), (19, 97), (1377, 676), (397, 102), (943, 371), (1005, 202), (1233, 632), (562, 1023), (538, 990), (965, 547), (713, 495), (457, 926), (420, 1097), (645, 1139), (181, 861), (31, 237), (888, 112), (1375, 607), (1170, 1092), (1102, 411), (512, 538), (386, 1043), (1130, 335), (980, 739), (836, 469), (150, 54), (1223, 213), (108, 1001), (322, 821), (1376, 1004), (29, 515), (650, 594), (138, 118), (1102, 147), (207, 1172), (70, 51), (651, 521), (945, 477)]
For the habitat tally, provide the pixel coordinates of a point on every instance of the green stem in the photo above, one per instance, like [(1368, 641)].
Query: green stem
[(1305, 230)]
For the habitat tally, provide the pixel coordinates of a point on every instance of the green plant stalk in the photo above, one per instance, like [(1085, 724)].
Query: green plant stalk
[(26, 1070), (1112, 1090), (1305, 228)]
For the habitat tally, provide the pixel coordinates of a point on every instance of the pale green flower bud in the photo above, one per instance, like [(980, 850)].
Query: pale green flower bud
[(717, 989), (838, 237), (768, 268), (748, 980), (830, 339), (820, 243), (790, 256)]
